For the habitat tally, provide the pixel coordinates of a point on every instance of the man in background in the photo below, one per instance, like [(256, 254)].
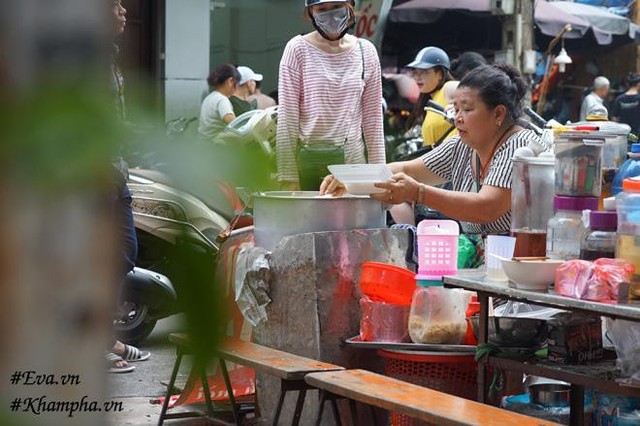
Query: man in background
[(626, 107), (246, 87), (263, 101), (595, 97)]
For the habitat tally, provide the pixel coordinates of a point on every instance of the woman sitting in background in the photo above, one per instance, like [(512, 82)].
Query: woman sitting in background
[(216, 110)]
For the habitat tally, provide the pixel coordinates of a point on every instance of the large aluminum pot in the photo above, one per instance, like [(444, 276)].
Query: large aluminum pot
[(277, 214)]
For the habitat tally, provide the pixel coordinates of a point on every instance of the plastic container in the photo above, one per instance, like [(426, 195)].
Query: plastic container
[(437, 315), (454, 373), (628, 242), (566, 227), (600, 239), (359, 179), (578, 163), (532, 193), (614, 150), (437, 249), (387, 283), (629, 168), (383, 322)]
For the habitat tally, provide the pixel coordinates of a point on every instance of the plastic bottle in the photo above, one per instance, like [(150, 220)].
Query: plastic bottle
[(472, 309), (566, 228), (628, 242), (600, 239), (629, 168)]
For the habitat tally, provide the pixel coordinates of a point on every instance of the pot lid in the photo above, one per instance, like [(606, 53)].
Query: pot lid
[(540, 160), (620, 129), (304, 195)]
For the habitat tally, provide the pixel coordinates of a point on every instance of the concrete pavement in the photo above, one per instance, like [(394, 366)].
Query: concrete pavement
[(135, 389)]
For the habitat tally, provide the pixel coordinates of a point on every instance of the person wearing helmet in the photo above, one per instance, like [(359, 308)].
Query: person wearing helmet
[(430, 70), (330, 99)]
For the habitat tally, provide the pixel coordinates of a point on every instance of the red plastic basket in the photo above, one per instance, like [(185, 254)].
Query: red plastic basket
[(449, 372)]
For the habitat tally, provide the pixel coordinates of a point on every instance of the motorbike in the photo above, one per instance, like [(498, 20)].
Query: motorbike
[(146, 297), (166, 215)]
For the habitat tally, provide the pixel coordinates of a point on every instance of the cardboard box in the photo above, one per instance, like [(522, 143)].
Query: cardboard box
[(575, 338)]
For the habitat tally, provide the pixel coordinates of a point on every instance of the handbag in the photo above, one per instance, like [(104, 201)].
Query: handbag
[(313, 161)]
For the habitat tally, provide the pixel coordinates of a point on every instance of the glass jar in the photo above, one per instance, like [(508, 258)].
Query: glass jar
[(532, 191), (566, 227), (600, 239), (628, 242)]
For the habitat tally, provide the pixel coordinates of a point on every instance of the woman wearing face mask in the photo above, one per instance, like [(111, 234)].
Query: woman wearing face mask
[(430, 70), (330, 99)]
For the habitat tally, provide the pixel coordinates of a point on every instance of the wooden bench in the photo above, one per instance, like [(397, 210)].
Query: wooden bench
[(290, 369), (419, 402)]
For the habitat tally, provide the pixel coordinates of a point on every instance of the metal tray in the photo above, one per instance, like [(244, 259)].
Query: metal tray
[(355, 342)]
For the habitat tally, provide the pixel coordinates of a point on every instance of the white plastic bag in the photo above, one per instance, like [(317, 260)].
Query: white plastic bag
[(626, 339)]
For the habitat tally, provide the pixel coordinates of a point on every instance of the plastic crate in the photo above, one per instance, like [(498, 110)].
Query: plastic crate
[(454, 373), (437, 249)]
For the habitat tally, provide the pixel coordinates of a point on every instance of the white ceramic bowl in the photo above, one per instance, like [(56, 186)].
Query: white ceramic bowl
[(531, 274)]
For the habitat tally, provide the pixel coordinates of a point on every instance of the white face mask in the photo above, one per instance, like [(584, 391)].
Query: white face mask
[(331, 22)]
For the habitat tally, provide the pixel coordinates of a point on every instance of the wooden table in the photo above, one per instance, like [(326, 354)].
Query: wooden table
[(579, 376)]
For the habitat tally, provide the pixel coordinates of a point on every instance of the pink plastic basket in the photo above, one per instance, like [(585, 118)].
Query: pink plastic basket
[(437, 249)]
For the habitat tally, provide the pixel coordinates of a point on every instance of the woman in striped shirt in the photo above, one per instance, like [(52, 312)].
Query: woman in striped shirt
[(330, 99), (477, 162)]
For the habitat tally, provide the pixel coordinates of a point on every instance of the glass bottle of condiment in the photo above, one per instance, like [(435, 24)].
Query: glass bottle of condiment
[(600, 239), (628, 242), (566, 227)]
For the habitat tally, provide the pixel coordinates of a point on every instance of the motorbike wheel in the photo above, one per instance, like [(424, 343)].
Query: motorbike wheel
[(133, 324)]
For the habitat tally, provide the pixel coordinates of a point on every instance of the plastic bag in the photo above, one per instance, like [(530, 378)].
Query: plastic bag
[(524, 310), (466, 252), (383, 322), (626, 340), (252, 283), (608, 274), (598, 281)]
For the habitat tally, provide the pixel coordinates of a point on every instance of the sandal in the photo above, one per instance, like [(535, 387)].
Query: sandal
[(133, 354), (117, 364)]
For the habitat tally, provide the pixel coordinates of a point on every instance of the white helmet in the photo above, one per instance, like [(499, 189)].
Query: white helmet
[(308, 3)]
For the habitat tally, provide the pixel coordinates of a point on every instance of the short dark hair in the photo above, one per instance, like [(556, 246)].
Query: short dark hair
[(465, 63), (500, 84), (633, 79), (219, 75)]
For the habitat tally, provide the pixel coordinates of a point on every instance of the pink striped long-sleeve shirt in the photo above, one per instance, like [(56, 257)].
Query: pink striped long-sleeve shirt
[(323, 98)]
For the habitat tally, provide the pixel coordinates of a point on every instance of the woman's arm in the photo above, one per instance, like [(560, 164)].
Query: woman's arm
[(417, 170), (488, 205), (228, 118), (288, 117), (372, 126)]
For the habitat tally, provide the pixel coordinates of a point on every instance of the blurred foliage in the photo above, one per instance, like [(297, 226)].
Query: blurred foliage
[(58, 136)]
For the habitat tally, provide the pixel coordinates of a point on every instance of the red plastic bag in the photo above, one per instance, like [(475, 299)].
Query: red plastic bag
[(598, 281), (608, 275)]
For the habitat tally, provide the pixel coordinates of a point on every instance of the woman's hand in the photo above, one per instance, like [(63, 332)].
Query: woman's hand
[(331, 185), (399, 189)]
